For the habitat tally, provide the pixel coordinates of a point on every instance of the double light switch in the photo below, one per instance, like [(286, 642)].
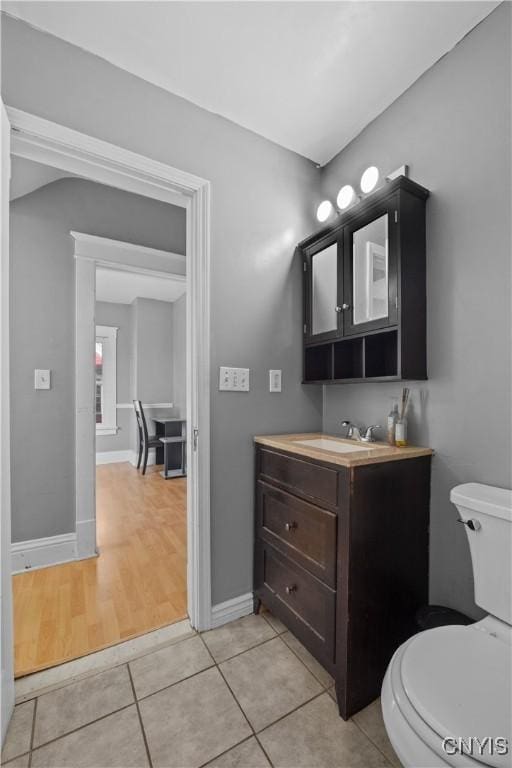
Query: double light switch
[(234, 379)]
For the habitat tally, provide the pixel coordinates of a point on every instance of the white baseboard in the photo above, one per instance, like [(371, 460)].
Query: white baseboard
[(116, 457), (232, 609), (113, 457), (40, 553)]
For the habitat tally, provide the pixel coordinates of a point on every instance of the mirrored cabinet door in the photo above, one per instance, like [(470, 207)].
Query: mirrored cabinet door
[(370, 250), (370, 277), (323, 306)]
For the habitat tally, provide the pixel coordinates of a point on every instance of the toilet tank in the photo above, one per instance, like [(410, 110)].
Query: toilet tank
[(490, 545)]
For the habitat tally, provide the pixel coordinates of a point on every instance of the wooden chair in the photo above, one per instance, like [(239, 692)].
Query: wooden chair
[(145, 441)]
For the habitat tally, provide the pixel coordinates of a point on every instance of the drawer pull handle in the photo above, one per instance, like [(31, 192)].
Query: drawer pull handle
[(290, 526), (291, 590)]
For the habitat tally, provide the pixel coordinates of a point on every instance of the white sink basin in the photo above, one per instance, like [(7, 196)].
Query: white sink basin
[(325, 444)]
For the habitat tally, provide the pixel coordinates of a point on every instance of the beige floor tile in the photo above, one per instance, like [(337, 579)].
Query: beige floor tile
[(192, 722), (370, 721), (78, 704), (114, 742), (276, 624), (19, 733), (237, 636), (311, 663), (169, 665), (269, 681), (314, 736), (246, 755)]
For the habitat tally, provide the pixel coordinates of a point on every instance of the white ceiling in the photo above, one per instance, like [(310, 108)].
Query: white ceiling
[(123, 287), (308, 75), (27, 175)]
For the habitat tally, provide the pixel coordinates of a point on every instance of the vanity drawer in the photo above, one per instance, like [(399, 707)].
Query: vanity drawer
[(303, 531), (305, 604), (304, 477)]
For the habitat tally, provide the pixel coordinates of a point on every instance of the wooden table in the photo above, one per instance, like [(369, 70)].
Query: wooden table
[(172, 434)]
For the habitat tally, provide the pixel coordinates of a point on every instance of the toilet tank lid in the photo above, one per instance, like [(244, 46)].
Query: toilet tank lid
[(487, 499)]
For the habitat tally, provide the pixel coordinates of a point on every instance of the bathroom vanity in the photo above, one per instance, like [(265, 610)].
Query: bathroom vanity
[(341, 551)]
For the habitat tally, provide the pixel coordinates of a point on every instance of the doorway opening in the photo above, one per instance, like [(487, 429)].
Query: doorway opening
[(122, 571), (141, 511), (59, 148)]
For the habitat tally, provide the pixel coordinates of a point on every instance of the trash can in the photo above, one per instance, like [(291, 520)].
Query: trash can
[(432, 616)]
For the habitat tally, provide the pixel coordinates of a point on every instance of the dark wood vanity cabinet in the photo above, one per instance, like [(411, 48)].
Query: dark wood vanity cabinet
[(365, 290), (341, 557)]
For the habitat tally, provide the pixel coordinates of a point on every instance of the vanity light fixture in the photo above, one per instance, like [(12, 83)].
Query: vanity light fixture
[(346, 196), (369, 179), (324, 210)]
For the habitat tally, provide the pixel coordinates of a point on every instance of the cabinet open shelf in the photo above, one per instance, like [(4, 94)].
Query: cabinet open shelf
[(318, 363), (372, 357), (348, 359), (381, 355)]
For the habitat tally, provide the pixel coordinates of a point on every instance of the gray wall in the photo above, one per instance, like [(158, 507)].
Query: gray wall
[(453, 128), (120, 316), (153, 360), (262, 200), (151, 344), (42, 317), (153, 350), (179, 356)]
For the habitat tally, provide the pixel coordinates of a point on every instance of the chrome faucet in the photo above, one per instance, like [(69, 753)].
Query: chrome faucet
[(354, 432)]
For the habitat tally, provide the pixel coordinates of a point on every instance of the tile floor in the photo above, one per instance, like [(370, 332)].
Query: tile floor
[(247, 694)]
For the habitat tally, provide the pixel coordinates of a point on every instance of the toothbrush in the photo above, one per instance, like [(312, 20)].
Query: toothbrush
[(405, 402)]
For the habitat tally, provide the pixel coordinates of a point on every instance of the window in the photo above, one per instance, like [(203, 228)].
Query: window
[(106, 387)]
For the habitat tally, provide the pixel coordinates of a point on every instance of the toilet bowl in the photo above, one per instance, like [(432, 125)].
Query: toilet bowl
[(447, 692)]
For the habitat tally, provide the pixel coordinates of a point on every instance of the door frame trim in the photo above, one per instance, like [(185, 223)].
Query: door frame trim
[(49, 143)]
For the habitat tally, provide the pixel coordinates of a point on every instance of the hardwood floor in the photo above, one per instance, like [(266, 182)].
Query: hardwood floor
[(137, 584)]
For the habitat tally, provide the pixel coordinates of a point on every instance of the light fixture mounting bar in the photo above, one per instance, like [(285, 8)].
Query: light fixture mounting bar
[(402, 171)]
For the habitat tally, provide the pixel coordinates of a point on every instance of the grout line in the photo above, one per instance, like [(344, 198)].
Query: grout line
[(282, 717), (9, 762), (268, 640), (263, 750), (235, 698), (81, 727), (240, 653), (307, 701), (32, 733), (263, 614), (253, 732), (325, 687), (144, 737), (205, 765), (176, 682), (287, 631), (369, 738)]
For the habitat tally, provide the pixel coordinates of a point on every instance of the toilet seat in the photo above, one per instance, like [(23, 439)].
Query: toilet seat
[(455, 682)]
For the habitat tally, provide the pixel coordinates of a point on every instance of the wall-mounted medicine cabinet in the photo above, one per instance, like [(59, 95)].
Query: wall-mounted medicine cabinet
[(365, 290)]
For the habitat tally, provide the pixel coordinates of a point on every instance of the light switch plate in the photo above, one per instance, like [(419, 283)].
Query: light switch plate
[(233, 379), (274, 380), (41, 378)]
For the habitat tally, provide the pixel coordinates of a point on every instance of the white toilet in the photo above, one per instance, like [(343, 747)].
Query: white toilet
[(456, 682)]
